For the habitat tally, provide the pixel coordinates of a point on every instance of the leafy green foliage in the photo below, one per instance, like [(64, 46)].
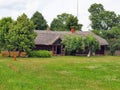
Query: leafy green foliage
[(96, 8), (117, 44), (102, 19), (102, 33), (77, 43), (21, 35), (105, 20), (39, 21), (40, 53), (73, 43), (64, 22), (73, 22), (113, 33), (57, 25), (118, 20), (92, 44), (112, 36), (4, 29), (114, 44)]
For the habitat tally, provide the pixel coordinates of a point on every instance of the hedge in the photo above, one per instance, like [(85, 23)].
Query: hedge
[(40, 53)]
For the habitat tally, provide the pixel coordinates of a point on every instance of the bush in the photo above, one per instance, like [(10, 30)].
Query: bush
[(40, 53)]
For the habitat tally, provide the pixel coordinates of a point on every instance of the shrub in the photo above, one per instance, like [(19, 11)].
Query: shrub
[(40, 53)]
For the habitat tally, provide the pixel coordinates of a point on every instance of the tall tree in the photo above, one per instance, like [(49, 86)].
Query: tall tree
[(57, 25), (96, 9), (21, 34), (100, 18), (63, 22), (4, 29), (39, 21), (73, 22)]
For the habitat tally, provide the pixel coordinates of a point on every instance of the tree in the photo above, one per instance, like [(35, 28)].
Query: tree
[(39, 21), (105, 24), (118, 20), (63, 22), (92, 44), (77, 43), (113, 33), (117, 44), (4, 29), (114, 39), (21, 35), (102, 19), (73, 44), (73, 22), (57, 25), (112, 36), (96, 9), (114, 44)]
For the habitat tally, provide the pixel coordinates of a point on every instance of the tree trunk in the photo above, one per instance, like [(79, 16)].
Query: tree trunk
[(89, 53)]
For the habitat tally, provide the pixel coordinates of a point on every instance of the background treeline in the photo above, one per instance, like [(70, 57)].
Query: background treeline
[(63, 22)]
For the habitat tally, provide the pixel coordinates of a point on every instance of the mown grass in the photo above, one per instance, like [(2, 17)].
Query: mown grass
[(60, 73)]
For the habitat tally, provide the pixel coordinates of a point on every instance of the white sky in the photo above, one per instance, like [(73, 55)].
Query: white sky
[(51, 8)]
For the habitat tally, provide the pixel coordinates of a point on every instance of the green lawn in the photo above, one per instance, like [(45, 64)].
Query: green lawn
[(60, 73)]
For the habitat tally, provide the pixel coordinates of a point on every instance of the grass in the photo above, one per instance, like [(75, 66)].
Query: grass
[(60, 73)]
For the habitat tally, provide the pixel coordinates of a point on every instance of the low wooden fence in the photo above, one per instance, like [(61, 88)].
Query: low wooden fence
[(12, 54)]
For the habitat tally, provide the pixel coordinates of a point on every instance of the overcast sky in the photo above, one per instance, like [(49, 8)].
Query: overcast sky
[(51, 8)]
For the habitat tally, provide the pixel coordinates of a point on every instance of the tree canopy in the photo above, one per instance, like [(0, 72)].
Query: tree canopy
[(102, 19), (4, 29), (75, 44), (96, 9), (105, 24), (112, 36), (92, 44), (73, 22), (21, 35), (39, 21), (64, 22)]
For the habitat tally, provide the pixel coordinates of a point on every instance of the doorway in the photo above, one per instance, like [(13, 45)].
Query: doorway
[(58, 50)]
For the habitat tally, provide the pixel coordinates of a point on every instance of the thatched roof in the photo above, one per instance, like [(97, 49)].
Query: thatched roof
[(47, 37)]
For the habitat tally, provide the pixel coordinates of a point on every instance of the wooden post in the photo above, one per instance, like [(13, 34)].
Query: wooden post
[(56, 49), (14, 57), (15, 54)]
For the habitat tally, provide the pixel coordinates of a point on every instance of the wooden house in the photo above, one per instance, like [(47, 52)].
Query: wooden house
[(51, 40)]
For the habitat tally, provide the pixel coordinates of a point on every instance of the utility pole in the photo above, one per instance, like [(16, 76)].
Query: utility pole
[(77, 8)]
